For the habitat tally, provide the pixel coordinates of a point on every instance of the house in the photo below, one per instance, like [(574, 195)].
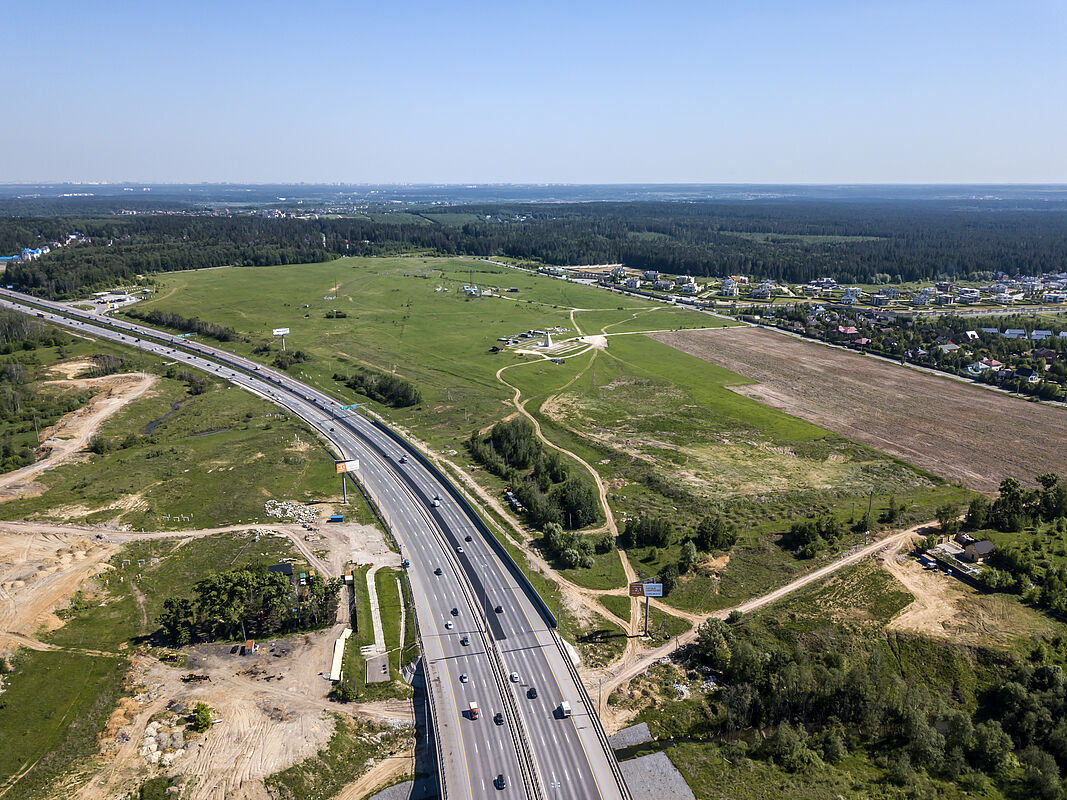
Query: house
[(978, 551), (1054, 297), (994, 331), (662, 285), (891, 292), (972, 335), (977, 368), (945, 299), (1046, 354), (880, 299), (1014, 333), (689, 288), (1040, 336), (650, 275), (1004, 299), (633, 283), (847, 330), (761, 293), (1027, 374), (949, 348), (992, 363), (851, 295), (863, 341)]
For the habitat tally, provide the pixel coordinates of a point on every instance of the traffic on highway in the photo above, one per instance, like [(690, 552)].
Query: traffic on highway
[(510, 715)]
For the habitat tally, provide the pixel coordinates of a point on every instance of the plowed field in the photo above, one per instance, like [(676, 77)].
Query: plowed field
[(962, 432)]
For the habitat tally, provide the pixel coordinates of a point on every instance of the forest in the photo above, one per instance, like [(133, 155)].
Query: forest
[(852, 241)]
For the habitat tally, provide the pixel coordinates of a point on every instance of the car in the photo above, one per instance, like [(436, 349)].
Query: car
[(437, 571), (437, 497), (463, 677), (459, 549), (435, 503), (466, 640), (448, 625), (455, 612), (498, 718), (499, 609), (331, 430), (403, 459), (500, 782), (468, 538), (532, 692), (514, 677)]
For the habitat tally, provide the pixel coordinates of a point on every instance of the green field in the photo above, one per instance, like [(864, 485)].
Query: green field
[(662, 428), (213, 458)]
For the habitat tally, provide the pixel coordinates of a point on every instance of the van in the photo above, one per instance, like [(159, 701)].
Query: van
[(565, 709), (474, 710)]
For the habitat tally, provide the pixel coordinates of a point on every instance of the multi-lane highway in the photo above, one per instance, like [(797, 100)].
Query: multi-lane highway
[(499, 649)]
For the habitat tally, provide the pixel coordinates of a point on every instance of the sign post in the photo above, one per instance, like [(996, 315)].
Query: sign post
[(646, 589), (281, 332)]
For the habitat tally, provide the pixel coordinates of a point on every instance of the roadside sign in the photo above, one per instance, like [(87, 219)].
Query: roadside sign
[(349, 408), (347, 466), (653, 590), (637, 589), (281, 331)]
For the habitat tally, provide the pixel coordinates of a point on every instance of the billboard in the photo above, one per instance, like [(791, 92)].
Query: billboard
[(281, 331), (347, 466), (639, 589)]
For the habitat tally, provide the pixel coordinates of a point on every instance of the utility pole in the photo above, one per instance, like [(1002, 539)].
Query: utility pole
[(35, 430), (646, 615), (867, 533)]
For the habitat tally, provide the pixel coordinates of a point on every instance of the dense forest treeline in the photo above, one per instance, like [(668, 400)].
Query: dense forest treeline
[(792, 241), (168, 319)]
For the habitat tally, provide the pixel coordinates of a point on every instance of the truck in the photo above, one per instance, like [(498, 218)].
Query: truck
[(565, 709), (405, 563), (474, 710)]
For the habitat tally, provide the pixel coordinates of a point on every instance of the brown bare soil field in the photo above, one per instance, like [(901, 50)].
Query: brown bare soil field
[(962, 432)]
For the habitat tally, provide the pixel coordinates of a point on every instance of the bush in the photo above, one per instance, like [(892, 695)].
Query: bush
[(201, 717)]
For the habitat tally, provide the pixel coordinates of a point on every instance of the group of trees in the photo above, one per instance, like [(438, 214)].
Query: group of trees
[(811, 535), (1029, 567), (386, 388), (572, 549), (168, 319), (656, 532), (784, 240), (540, 480), (807, 704), (249, 602)]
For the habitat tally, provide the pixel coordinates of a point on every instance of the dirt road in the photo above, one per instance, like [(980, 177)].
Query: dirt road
[(961, 432), (73, 432)]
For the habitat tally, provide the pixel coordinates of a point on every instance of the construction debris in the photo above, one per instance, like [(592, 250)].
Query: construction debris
[(286, 509)]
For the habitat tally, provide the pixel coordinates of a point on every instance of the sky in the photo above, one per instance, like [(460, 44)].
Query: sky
[(536, 92)]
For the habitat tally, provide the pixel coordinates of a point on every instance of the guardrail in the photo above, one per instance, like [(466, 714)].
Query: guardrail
[(469, 511), (602, 735)]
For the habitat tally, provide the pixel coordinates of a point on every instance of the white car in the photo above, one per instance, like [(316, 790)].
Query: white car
[(436, 503), (448, 625), (514, 677)]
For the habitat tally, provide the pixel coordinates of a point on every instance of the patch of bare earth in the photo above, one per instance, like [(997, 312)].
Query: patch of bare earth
[(71, 434), (39, 574), (959, 431), (944, 608)]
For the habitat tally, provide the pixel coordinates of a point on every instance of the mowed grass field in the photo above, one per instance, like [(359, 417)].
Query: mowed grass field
[(401, 319)]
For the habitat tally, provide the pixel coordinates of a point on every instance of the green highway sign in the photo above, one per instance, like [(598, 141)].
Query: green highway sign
[(349, 408)]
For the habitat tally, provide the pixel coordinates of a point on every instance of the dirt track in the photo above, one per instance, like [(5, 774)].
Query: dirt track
[(962, 432), (72, 433)]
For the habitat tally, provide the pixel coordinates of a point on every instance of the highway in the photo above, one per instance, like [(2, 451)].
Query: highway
[(540, 752)]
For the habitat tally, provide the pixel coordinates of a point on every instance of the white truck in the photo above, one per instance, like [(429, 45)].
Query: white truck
[(474, 710), (565, 709)]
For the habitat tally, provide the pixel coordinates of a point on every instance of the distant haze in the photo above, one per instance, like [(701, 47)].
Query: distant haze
[(590, 92)]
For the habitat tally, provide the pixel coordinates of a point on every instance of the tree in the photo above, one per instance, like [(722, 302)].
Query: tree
[(713, 533), (977, 513), (669, 579), (993, 748), (201, 717), (688, 557), (947, 519)]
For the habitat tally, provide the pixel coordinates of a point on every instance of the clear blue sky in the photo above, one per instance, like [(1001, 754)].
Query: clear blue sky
[(576, 92)]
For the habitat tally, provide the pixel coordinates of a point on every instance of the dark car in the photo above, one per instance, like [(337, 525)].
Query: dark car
[(499, 718), (437, 571), (499, 609), (455, 612), (531, 692), (501, 782), (468, 538)]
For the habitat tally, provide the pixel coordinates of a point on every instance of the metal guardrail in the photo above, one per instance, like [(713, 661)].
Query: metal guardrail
[(469, 511), (602, 735)]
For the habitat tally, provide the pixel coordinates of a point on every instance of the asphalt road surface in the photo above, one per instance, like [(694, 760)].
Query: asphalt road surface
[(565, 757)]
